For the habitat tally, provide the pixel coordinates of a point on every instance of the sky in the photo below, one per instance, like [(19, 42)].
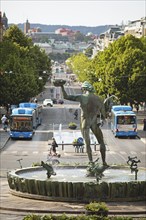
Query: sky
[(73, 12)]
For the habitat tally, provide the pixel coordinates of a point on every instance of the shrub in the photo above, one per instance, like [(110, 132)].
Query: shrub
[(72, 125), (96, 208)]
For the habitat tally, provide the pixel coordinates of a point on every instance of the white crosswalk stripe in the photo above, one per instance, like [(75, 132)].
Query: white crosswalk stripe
[(123, 152), (133, 152), (14, 152), (144, 153), (5, 152), (112, 152), (35, 152), (24, 152), (46, 152)]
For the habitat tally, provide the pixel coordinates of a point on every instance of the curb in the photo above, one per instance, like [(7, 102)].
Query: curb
[(4, 144), (81, 212)]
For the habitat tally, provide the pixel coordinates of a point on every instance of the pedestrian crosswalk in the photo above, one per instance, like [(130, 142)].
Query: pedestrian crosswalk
[(67, 151)]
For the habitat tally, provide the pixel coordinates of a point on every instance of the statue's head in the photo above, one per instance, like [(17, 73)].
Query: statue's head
[(87, 87)]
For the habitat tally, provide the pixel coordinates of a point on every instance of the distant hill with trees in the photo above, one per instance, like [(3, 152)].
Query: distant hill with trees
[(83, 29)]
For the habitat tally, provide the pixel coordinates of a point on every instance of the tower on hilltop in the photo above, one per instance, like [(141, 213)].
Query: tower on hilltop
[(3, 24), (5, 21), (26, 27)]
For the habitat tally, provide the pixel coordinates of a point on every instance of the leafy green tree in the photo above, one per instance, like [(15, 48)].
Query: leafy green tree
[(89, 52), (121, 70), (15, 35), (21, 67), (79, 65), (59, 57), (17, 84)]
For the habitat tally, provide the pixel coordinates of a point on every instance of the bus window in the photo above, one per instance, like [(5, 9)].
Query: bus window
[(127, 119), (120, 120)]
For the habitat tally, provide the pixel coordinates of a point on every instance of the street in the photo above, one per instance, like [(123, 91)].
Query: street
[(17, 153), (56, 119)]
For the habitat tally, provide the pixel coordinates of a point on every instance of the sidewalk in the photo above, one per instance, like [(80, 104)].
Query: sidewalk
[(4, 137), (11, 203)]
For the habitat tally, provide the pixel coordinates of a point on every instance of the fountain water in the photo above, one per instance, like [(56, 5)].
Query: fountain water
[(60, 129)]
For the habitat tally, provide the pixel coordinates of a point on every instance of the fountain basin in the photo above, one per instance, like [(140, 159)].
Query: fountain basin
[(71, 184)]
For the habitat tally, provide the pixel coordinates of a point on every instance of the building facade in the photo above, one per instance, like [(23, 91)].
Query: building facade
[(137, 28)]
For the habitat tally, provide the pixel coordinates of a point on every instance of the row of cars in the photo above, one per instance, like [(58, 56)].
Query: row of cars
[(50, 102)]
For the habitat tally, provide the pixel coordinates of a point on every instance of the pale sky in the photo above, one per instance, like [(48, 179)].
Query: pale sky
[(73, 13)]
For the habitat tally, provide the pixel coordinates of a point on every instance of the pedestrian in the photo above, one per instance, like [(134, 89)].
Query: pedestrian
[(4, 121), (91, 105), (144, 106), (76, 114), (137, 107), (144, 124), (54, 145), (35, 100)]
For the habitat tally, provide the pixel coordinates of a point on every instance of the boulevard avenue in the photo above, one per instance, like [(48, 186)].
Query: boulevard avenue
[(56, 119)]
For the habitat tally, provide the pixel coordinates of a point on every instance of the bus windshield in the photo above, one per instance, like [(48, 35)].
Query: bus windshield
[(126, 119), (21, 124)]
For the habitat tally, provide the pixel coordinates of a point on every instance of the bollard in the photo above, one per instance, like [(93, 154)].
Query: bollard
[(95, 146), (19, 161), (62, 145)]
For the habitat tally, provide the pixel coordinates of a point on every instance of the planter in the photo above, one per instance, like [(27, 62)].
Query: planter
[(96, 208), (98, 213), (73, 127)]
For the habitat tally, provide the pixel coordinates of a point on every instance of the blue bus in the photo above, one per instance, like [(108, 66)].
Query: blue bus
[(37, 112), (24, 120), (123, 121)]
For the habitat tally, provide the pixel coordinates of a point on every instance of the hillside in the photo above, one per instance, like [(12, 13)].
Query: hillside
[(83, 29)]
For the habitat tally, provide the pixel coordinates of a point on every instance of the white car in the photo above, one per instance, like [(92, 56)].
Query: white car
[(48, 102)]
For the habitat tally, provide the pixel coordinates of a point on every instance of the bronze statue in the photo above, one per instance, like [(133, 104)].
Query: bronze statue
[(49, 168), (91, 106), (94, 169)]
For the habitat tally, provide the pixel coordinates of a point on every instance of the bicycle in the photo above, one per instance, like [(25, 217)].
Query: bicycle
[(51, 160)]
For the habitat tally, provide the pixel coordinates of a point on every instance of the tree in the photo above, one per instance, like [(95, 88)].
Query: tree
[(21, 66), (121, 70), (79, 65), (15, 35), (17, 80)]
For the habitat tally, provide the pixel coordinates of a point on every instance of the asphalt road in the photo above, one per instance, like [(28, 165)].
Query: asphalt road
[(55, 120)]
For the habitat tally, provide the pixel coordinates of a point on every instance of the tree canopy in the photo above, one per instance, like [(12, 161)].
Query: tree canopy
[(119, 70), (24, 68)]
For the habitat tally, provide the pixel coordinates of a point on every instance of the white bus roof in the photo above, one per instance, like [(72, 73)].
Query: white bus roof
[(123, 108)]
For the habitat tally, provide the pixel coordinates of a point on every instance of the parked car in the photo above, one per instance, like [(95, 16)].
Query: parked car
[(48, 102), (54, 101), (60, 101)]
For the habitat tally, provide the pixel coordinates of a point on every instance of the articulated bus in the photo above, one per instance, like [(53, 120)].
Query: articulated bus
[(123, 121), (24, 120)]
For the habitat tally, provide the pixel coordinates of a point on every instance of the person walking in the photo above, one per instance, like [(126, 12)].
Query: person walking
[(91, 106), (144, 124), (54, 145), (137, 107), (4, 121), (76, 114)]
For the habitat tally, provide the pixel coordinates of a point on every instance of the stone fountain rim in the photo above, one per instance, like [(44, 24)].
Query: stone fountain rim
[(66, 198), (22, 170)]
